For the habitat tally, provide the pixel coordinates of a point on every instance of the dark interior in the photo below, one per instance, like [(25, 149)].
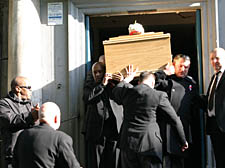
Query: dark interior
[(180, 25)]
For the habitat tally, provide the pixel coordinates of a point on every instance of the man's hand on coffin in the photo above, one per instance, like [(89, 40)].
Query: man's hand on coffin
[(106, 78), (130, 73), (118, 76)]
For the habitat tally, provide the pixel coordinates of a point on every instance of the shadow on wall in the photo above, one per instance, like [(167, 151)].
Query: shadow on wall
[(66, 91)]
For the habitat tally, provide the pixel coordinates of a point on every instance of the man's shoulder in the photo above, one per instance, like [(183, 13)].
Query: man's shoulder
[(6, 101), (186, 79), (48, 130), (62, 135), (11, 99), (63, 138), (190, 80), (160, 93), (144, 89)]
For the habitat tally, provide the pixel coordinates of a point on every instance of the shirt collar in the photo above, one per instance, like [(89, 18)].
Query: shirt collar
[(221, 70)]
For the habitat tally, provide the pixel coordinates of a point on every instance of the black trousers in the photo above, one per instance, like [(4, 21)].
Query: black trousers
[(172, 161), (131, 159), (7, 164), (218, 143), (104, 155)]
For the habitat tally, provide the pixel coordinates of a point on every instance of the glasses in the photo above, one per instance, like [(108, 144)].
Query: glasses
[(27, 87)]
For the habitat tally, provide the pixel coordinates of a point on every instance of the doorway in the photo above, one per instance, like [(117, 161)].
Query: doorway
[(182, 27)]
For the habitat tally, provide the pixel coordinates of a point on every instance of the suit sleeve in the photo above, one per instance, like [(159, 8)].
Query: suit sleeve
[(92, 94), (174, 120), (120, 91), (67, 158)]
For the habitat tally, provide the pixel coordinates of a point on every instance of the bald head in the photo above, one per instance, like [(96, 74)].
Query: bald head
[(50, 114), (102, 59), (18, 81), (21, 87), (98, 71), (218, 50)]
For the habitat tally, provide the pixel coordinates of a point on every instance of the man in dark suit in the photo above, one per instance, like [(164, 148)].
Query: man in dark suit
[(182, 91), (42, 146), (103, 119), (140, 140), (215, 125)]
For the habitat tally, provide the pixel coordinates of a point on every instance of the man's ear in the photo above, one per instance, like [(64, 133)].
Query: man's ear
[(17, 89), (55, 119)]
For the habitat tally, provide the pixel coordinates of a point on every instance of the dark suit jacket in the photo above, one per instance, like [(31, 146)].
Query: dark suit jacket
[(219, 107), (140, 131), (182, 94), (100, 105), (44, 147)]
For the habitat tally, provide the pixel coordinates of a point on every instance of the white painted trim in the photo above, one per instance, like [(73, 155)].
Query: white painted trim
[(144, 7), (124, 3)]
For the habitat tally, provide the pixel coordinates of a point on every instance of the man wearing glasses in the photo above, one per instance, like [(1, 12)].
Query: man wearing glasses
[(16, 114)]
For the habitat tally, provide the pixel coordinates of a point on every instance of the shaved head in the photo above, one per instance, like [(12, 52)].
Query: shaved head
[(18, 81), (21, 87), (48, 113), (98, 71), (102, 59)]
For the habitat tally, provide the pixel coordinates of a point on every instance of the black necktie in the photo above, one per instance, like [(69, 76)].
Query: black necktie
[(211, 95)]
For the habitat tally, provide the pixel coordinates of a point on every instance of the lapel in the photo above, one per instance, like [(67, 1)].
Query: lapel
[(221, 81), (210, 85)]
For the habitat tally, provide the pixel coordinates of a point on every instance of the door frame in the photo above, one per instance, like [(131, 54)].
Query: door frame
[(208, 32)]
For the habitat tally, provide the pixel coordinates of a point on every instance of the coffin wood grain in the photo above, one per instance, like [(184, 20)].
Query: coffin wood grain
[(150, 52)]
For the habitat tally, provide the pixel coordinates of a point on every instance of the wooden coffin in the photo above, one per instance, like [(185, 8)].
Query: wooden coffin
[(149, 51)]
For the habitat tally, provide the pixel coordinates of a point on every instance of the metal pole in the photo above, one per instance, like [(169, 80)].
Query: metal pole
[(202, 116)]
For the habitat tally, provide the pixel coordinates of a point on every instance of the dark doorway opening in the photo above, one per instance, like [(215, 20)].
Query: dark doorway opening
[(3, 47), (181, 26)]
